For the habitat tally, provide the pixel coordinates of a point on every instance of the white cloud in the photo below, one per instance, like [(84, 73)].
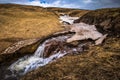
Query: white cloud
[(56, 3), (13, 1), (87, 1)]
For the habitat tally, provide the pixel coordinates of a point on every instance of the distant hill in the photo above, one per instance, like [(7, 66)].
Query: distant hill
[(71, 12)]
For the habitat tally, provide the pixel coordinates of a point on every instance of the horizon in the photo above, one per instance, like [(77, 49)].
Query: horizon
[(79, 4)]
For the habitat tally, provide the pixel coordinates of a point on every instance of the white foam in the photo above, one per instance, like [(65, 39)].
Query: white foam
[(25, 65)]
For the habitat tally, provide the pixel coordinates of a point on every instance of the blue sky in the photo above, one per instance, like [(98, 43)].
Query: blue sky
[(81, 4)]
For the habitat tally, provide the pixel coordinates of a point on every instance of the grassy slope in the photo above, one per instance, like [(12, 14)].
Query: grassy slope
[(98, 63), (19, 22), (71, 12), (108, 19)]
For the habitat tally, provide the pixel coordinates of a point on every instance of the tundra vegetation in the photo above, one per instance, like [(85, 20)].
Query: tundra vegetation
[(101, 62)]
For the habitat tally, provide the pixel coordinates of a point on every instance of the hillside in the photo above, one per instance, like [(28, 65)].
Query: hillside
[(107, 20), (71, 12), (98, 62), (18, 22), (101, 62)]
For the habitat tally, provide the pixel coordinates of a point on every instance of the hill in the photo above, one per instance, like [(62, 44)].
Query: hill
[(98, 62), (19, 22), (71, 12), (102, 62), (107, 20)]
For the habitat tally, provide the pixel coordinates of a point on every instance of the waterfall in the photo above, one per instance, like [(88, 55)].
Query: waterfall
[(29, 63), (39, 52)]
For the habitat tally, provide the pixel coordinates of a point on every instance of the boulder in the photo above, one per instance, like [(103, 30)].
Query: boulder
[(52, 47)]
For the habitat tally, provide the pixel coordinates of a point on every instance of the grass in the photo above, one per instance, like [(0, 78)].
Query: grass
[(71, 12), (98, 63), (18, 22), (24, 22), (108, 19)]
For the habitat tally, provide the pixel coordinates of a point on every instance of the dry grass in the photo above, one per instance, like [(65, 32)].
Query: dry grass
[(98, 63), (24, 22), (108, 20), (71, 12)]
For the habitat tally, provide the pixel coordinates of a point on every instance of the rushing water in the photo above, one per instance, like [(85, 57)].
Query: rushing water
[(55, 46), (28, 63)]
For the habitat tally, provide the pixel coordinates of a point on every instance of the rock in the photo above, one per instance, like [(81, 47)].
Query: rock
[(53, 47), (18, 45), (100, 40), (83, 32)]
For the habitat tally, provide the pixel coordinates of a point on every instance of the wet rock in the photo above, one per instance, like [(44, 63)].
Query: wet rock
[(53, 47)]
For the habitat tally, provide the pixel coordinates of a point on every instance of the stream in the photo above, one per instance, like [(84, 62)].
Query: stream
[(48, 51)]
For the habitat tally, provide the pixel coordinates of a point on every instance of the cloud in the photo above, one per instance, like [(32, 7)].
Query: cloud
[(87, 1), (56, 3), (12, 1), (82, 4)]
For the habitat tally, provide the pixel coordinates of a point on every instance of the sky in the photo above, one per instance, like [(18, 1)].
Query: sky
[(81, 4)]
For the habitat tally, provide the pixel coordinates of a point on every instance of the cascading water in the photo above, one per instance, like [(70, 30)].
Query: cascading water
[(28, 63), (48, 51)]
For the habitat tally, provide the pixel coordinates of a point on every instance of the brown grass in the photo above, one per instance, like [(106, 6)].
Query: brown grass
[(108, 20), (98, 63), (18, 21), (24, 22), (71, 12)]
